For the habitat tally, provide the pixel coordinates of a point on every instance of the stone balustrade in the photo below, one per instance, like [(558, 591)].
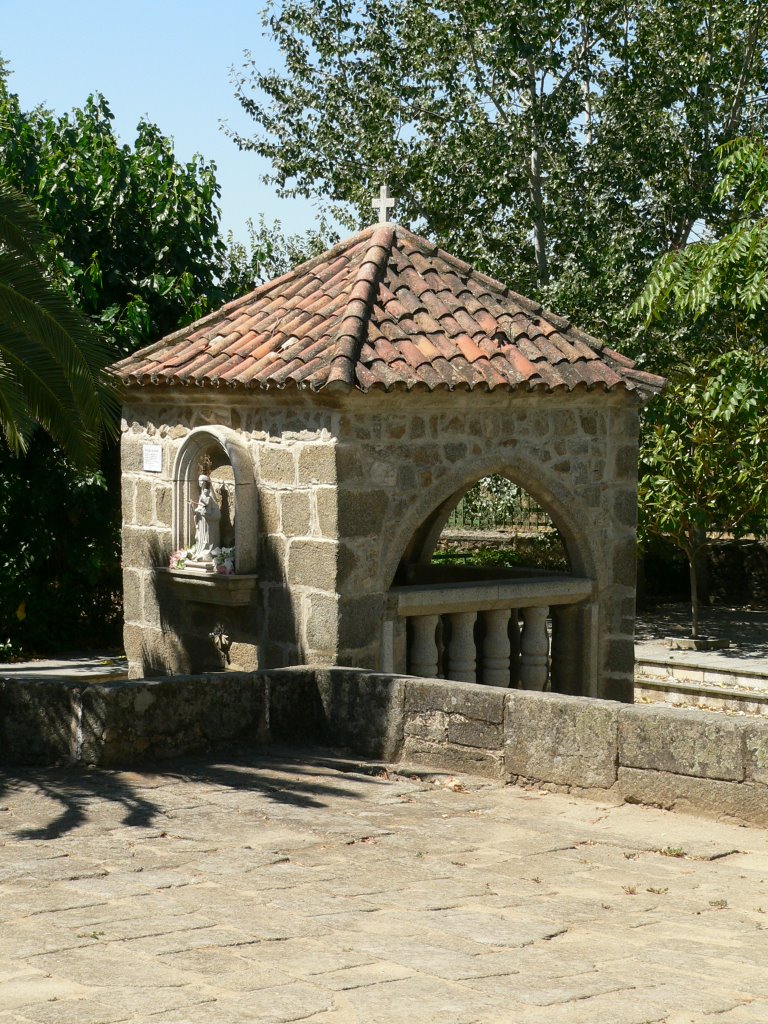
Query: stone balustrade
[(492, 632)]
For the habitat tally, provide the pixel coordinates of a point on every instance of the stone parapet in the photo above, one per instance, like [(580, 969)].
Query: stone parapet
[(693, 761)]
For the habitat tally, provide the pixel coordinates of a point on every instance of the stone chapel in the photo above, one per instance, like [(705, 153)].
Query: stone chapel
[(338, 414)]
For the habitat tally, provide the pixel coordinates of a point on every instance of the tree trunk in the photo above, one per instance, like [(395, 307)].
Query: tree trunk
[(691, 553), (699, 536), (586, 84), (539, 221), (534, 182), (696, 552)]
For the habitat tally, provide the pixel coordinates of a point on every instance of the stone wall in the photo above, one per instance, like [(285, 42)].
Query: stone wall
[(146, 719), (350, 488), (676, 759), (292, 617)]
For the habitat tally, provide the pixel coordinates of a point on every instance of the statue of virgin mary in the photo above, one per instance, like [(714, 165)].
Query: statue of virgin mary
[(207, 522)]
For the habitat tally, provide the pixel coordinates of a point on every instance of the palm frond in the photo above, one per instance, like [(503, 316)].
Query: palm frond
[(20, 226), (48, 399), (51, 355), (39, 311), (15, 421)]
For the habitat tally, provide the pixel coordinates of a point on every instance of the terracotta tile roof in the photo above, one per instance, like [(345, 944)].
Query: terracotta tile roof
[(384, 310)]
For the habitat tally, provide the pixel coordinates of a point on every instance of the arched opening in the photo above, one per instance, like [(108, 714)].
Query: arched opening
[(498, 523), (491, 589), (493, 527)]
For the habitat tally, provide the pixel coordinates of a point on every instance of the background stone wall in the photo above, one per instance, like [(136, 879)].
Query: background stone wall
[(347, 485)]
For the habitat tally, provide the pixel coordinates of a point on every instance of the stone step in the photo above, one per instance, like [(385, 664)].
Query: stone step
[(738, 674), (729, 691)]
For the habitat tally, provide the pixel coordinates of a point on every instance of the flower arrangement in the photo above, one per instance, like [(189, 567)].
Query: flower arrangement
[(178, 559), (224, 560)]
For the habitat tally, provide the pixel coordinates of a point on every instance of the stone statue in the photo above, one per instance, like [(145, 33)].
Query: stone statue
[(207, 523)]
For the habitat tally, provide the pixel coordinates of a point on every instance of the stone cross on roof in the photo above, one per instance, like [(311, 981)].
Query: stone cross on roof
[(383, 204)]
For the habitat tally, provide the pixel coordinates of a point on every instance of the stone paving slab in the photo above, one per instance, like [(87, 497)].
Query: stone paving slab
[(90, 667), (746, 628), (315, 888)]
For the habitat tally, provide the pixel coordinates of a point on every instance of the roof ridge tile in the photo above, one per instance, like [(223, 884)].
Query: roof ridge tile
[(350, 335)]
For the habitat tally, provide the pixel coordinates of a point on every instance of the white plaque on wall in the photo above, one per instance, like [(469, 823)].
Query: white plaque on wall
[(153, 458)]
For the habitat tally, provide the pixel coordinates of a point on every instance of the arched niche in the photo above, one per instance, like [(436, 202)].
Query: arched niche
[(232, 477)]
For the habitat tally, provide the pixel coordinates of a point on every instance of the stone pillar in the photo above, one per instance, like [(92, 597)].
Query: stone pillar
[(461, 649), (496, 647), (567, 649), (534, 648), (423, 654)]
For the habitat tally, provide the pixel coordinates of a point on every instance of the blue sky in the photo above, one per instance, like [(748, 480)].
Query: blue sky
[(167, 59)]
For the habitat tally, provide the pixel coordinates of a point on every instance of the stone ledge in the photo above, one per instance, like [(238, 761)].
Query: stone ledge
[(693, 743), (452, 757), (564, 740), (362, 710), (674, 693), (438, 598), (479, 702), (672, 665), (210, 587), (741, 802)]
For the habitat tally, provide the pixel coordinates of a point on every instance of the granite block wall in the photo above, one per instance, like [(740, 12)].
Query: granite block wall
[(350, 488)]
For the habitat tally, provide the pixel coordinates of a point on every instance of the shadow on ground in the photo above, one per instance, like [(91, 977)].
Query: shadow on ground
[(281, 777), (747, 629)]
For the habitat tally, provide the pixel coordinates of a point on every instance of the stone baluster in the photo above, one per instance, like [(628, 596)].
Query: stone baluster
[(496, 647), (423, 655), (461, 648), (514, 648), (534, 648)]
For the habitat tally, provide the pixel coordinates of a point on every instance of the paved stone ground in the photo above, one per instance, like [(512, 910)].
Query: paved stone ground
[(746, 628), (285, 888), (90, 667)]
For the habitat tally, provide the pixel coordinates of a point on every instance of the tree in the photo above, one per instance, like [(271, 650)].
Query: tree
[(707, 448), (725, 276), (270, 253), (136, 231), (135, 241), (51, 358), (561, 147), (704, 454)]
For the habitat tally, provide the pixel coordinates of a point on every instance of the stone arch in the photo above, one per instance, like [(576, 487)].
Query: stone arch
[(574, 635), (226, 449), (418, 534)]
